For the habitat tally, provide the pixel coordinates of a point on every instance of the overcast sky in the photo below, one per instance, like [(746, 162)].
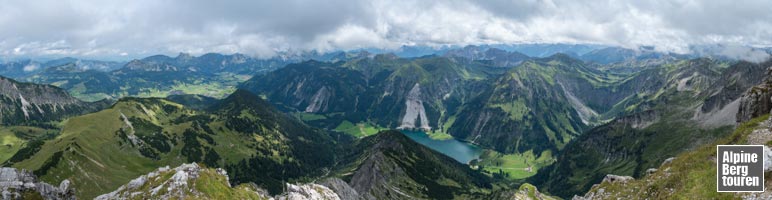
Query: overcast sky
[(260, 28)]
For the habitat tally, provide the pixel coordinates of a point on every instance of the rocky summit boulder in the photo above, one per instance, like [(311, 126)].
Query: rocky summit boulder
[(22, 184)]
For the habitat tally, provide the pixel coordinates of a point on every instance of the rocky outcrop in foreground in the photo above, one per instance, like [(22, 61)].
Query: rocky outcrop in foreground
[(525, 192), (756, 101), (192, 181), (22, 184)]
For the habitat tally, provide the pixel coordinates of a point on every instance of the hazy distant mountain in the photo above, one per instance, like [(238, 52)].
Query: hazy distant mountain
[(25, 68), (492, 56), (545, 50), (617, 54), (18, 69), (211, 74), (85, 64)]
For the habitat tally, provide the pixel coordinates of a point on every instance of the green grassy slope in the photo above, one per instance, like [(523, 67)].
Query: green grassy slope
[(691, 175), (100, 151)]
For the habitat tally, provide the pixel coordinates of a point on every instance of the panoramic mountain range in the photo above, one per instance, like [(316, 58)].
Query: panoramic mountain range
[(589, 121)]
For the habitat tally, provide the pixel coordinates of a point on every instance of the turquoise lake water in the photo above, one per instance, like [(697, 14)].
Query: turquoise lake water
[(461, 151)]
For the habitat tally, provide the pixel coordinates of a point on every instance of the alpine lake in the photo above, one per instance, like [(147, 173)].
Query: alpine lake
[(461, 151)]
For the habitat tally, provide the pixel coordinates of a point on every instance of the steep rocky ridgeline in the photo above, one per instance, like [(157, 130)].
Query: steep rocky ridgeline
[(22, 184), (420, 93), (242, 133), (35, 104), (695, 104), (389, 165)]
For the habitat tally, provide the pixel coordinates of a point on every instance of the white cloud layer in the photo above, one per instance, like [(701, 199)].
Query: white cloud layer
[(31, 67), (134, 28)]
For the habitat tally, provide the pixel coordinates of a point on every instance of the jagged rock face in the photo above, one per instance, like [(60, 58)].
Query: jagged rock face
[(756, 101), (22, 184), (25, 103)]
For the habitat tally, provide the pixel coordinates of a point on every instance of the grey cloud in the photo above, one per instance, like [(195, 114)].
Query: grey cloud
[(135, 28), (745, 53), (737, 52)]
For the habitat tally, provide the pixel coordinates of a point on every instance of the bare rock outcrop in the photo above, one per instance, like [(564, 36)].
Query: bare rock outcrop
[(343, 189), (756, 101), (22, 184), (187, 181), (308, 191)]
